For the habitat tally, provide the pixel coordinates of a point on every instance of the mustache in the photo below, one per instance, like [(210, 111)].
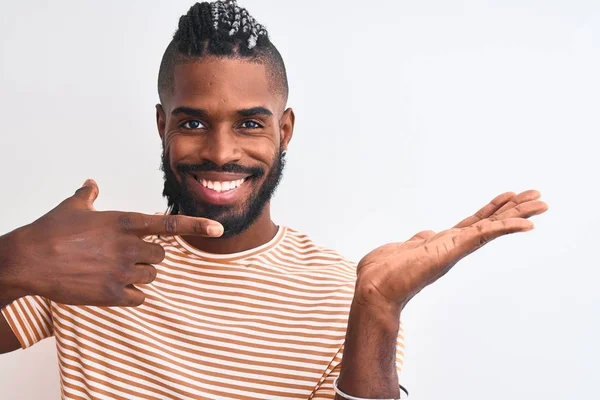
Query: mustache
[(207, 166)]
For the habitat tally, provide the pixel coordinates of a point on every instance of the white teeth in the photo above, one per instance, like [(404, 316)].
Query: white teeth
[(219, 186)]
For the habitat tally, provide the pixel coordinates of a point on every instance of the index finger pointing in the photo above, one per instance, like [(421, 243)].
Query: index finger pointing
[(171, 225)]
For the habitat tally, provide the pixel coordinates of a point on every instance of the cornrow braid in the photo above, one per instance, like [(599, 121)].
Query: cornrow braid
[(211, 20), (222, 29)]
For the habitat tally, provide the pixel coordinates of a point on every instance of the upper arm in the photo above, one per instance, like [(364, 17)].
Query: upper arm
[(25, 322)]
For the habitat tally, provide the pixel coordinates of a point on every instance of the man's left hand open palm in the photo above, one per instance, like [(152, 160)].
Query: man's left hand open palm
[(394, 273)]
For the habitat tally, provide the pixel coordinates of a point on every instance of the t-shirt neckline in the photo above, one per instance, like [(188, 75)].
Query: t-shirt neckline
[(185, 246)]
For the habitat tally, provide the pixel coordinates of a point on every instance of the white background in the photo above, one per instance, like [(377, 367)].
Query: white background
[(410, 115)]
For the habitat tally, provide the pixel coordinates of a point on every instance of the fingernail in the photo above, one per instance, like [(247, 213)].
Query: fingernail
[(88, 182), (215, 230)]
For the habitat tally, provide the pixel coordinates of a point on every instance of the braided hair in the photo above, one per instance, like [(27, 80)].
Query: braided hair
[(221, 29)]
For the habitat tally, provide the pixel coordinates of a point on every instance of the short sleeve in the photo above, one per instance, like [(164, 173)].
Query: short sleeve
[(324, 390), (30, 318)]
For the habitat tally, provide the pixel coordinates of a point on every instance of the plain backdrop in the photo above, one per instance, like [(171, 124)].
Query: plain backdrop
[(411, 115)]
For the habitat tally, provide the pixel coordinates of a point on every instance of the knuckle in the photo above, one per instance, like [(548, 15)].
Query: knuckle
[(159, 253), (171, 225), (55, 249), (133, 253), (455, 241), (119, 275), (483, 239), (125, 221), (197, 227), (150, 274), (427, 248), (112, 292), (81, 192), (128, 253)]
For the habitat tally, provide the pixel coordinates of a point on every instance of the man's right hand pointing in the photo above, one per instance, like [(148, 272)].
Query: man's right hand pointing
[(79, 256)]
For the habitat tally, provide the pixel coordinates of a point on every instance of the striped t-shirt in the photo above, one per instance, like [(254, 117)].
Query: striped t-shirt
[(267, 323)]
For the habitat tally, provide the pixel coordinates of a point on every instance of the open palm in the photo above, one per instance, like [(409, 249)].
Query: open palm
[(394, 273)]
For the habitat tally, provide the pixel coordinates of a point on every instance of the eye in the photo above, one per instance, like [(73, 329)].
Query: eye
[(251, 125), (193, 124)]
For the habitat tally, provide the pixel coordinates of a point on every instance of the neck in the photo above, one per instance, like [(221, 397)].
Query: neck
[(259, 233)]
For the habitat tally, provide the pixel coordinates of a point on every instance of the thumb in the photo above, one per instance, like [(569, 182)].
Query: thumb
[(88, 193)]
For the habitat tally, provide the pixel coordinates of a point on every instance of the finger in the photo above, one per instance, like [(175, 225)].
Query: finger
[(150, 253), (133, 297), (88, 193), (171, 225), (498, 202), (142, 274), (440, 235), (455, 244), (528, 195), (423, 235), (474, 237), (523, 210)]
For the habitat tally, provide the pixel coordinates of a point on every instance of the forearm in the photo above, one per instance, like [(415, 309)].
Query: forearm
[(369, 362)]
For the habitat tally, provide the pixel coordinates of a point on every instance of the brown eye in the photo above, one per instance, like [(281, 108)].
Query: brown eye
[(251, 125), (194, 124)]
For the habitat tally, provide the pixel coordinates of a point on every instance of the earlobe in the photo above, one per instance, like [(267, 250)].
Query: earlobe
[(287, 127), (160, 121)]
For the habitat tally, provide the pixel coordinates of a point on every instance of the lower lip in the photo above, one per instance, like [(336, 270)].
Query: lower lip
[(213, 197)]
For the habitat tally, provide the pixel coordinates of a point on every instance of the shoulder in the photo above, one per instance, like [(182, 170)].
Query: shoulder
[(302, 247)]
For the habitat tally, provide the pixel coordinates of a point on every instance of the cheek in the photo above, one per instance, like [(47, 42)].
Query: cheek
[(181, 146), (264, 150), (178, 149)]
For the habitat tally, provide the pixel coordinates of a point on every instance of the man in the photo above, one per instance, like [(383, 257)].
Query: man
[(217, 301)]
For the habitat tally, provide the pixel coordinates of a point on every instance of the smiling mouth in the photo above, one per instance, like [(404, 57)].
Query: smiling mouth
[(220, 186)]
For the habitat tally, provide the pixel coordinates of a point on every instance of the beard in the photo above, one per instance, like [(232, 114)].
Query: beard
[(235, 219)]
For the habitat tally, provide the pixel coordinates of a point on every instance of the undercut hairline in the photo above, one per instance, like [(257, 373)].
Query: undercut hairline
[(183, 59)]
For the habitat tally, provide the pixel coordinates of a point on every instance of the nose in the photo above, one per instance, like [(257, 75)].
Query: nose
[(221, 146)]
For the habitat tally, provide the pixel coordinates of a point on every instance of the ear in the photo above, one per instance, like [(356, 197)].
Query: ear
[(161, 121), (286, 127)]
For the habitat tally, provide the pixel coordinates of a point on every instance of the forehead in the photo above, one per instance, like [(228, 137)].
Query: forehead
[(220, 84)]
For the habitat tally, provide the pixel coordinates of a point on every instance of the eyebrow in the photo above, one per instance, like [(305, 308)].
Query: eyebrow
[(248, 112), (194, 112), (200, 113)]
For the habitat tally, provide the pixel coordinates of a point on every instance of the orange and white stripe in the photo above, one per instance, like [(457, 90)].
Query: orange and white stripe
[(268, 323)]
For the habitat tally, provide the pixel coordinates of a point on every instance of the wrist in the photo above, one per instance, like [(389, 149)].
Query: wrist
[(368, 300), (368, 368), (384, 318)]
